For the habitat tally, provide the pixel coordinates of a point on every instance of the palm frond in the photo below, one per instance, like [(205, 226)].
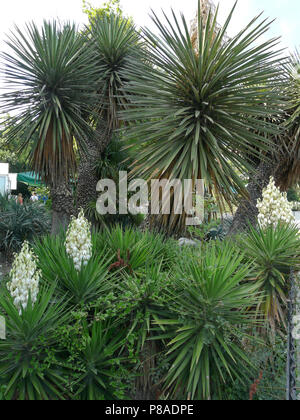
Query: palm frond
[(117, 43), (51, 78), (203, 112)]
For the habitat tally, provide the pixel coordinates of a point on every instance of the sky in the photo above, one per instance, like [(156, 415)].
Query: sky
[(286, 12)]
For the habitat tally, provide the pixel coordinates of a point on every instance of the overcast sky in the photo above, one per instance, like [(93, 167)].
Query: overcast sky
[(286, 12)]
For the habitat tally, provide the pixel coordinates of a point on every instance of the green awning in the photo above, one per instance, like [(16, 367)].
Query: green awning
[(29, 178)]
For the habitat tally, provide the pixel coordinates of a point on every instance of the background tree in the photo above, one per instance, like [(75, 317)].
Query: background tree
[(199, 107), (115, 43), (51, 78), (283, 160), (10, 153), (108, 8)]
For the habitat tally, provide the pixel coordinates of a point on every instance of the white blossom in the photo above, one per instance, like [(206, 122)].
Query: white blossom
[(24, 278), (274, 207), (79, 241)]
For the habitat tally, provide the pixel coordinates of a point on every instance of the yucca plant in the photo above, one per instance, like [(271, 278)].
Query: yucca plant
[(21, 223), (29, 357), (51, 78), (133, 250), (116, 43), (274, 252), (136, 303), (208, 316), (81, 287), (97, 369), (288, 171), (203, 111)]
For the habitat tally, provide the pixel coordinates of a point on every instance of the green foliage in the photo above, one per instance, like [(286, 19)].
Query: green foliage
[(81, 287), (10, 153), (113, 160), (292, 195), (198, 108), (54, 69), (29, 357), (136, 301), (96, 364), (116, 45), (269, 358), (208, 305), (41, 190), (135, 248), (274, 252), (20, 223), (110, 7), (145, 314)]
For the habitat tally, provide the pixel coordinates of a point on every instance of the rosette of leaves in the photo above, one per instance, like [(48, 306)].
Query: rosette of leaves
[(203, 111)]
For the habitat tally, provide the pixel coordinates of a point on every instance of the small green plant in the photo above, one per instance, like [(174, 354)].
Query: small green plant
[(274, 252), (29, 357), (97, 369), (207, 307), (136, 248), (81, 287), (19, 223)]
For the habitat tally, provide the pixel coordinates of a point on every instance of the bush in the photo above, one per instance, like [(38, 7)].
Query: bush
[(207, 307), (96, 370), (292, 195), (29, 357), (20, 223), (269, 358), (81, 287), (274, 252), (131, 249), (147, 319)]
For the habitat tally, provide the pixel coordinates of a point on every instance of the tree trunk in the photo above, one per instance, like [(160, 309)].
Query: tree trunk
[(62, 207), (145, 389), (247, 211), (87, 172)]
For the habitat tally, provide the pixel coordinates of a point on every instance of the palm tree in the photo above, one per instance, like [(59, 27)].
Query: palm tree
[(199, 107), (115, 43), (51, 78)]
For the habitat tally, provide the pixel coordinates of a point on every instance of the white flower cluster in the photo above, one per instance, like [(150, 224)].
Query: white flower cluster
[(274, 207), (296, 205), (24, 278), (79, 242)]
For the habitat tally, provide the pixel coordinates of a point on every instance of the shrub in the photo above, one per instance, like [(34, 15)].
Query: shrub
[(269, 359), (274, 252), (20, 223), (207, 307), (97, 369), (29, 357), (135, 248), (81, 287), (292, 195)]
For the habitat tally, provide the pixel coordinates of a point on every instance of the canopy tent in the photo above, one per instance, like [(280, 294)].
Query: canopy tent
[(29, 178)]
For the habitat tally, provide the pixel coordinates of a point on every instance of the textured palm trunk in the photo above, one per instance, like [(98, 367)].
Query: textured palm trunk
[(247, 211), (87, 172), (62, 207), (145, 389), (56, 164)]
